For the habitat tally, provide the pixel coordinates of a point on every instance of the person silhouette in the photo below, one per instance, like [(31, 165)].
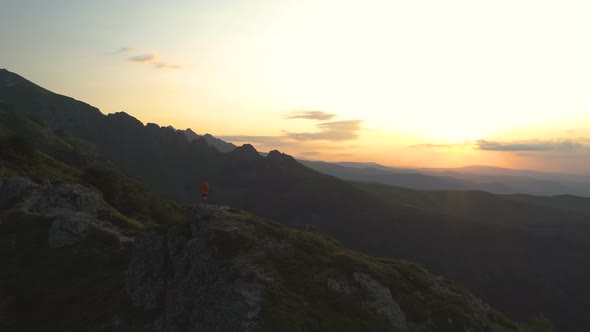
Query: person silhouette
[(205, 190)]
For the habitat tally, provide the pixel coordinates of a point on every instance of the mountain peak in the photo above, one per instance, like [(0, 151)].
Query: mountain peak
[(279, 157), (220, 145), (275, 155), (247, 147), (190, 134), (190, 131), (125, 118), (246, 152)]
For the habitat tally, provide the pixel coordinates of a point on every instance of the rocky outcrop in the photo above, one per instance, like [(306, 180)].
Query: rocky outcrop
[(196, 283), (74, 208), (377, 298), (208, 211), (372, 296)]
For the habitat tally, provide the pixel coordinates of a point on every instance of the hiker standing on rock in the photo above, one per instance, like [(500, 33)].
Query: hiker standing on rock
[(205, 190)]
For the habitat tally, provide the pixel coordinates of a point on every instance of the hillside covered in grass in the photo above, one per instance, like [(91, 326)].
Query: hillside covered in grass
[(31, 149)]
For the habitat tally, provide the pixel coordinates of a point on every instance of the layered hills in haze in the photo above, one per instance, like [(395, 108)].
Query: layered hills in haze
[(522, 254), (491, 179)]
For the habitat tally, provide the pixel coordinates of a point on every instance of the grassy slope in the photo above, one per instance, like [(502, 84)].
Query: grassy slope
[(522, 253), (537, 214), (300, 301), (20, 141)]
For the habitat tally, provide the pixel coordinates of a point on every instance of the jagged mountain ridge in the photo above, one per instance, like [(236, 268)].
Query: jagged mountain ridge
[(219, 144), (278, 187)]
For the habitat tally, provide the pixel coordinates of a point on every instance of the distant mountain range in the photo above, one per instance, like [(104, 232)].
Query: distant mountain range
[(485, 178), (220, 145), (523, 254)]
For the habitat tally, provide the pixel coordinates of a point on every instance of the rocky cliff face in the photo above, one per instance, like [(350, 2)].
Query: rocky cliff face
[(68, 269), (186, 276)]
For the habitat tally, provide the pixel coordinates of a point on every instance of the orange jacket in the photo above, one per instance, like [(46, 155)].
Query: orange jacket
[(205, 188)]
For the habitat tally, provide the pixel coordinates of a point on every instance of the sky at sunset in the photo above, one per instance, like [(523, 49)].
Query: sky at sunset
[(403, 83)]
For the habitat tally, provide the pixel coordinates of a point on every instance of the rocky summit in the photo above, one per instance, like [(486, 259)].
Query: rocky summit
[(66, 266)]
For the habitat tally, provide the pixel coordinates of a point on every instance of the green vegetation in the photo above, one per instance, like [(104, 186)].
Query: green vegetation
[(31, 163), (16, 148), (303, 263), (132, 199), (129, 204), (533, 212)]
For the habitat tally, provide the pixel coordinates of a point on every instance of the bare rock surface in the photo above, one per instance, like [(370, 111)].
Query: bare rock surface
[(74, 207), (195, 284), (377, 298)]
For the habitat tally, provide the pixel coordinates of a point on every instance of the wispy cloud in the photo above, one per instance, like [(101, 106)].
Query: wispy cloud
[(533, 145), (530, 145), (331, 131), (310, 115), (124, 50), (144, 58), (166, 65), (154, 60), (329, 136)]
